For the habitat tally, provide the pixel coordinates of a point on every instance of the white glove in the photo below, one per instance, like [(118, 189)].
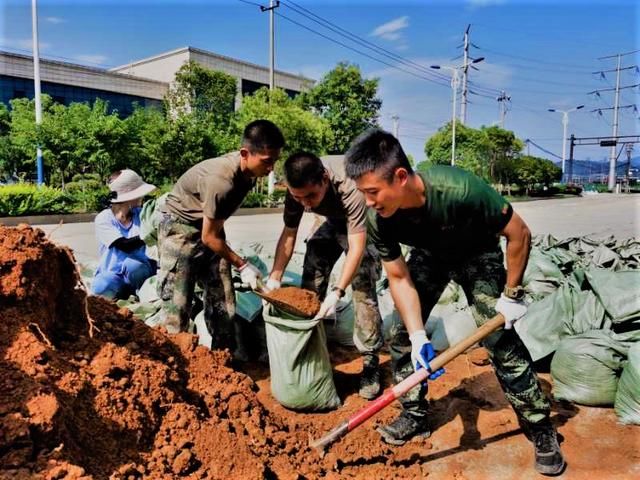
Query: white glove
[(250, 275), (511, 309), (272, 284), (328, 307)]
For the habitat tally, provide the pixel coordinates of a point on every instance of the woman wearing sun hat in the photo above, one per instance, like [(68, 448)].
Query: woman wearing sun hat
[(124, 265)]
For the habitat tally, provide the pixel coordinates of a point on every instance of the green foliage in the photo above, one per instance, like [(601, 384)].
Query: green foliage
[(302, 130), (346, 101), (27, 199), (205, 92), (87, 192), (254, 200), (493, 154)]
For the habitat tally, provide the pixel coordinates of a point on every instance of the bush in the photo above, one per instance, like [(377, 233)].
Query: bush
[(28, 199), (88, 193), (254, 199)]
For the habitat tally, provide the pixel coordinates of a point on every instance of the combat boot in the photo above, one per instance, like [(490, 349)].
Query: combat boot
[(404, 428), (549, 460), (370, 378)]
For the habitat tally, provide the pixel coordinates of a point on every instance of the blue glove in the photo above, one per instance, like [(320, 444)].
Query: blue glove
[(422, 353)]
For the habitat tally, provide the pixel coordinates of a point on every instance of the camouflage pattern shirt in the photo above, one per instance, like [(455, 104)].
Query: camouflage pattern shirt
[(461, 217)]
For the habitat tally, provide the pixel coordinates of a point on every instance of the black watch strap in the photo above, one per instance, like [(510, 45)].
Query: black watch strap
[(340, 291)]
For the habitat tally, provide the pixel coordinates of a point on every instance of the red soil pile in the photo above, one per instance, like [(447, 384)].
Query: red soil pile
[(126, 402), (130, 402), (305, 301)]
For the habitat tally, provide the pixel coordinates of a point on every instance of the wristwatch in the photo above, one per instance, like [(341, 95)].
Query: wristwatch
[(515, 293), (340, 291)]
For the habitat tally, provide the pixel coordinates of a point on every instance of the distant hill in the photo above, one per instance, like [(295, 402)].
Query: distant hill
[(591, 167)]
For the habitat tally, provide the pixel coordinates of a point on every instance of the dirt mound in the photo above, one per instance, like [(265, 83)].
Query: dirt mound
[(87, 391), (303, 300)]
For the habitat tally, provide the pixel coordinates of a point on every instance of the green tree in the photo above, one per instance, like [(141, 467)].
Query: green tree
[(302, 129), (472, 149), (531, 171), (348, 102), (208, 93)]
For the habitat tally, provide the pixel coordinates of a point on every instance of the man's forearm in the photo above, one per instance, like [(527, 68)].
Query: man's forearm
[(220, 247), (284, 252), (405, 297), (517, 258)]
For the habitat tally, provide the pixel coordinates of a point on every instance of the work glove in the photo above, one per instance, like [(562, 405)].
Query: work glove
[(250, 275), (328, 307), (422, 353), (272, 284), (511, 309)]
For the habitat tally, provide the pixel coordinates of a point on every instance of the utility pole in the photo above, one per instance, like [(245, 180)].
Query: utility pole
[(616, 107), (36, 82), (503, 99), (565, 126), (454, 89), (629, 148), (572, 142), (465, 69), (272, 62), (395, 119)]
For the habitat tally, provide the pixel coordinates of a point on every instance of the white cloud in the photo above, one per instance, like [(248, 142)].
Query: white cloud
[(392, 30), (96, 59), (54, 20), (22, 44)]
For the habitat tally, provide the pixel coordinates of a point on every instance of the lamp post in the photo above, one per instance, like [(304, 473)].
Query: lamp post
[(36, 87), (454, 88), (565, 126)]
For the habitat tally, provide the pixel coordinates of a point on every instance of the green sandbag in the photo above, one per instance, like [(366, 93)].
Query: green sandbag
[(542, 275), (586, 367), (627, 403), (618, 292), (566, 312), (301, 374)]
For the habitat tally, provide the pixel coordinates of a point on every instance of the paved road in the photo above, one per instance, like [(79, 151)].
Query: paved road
[(600, 215)]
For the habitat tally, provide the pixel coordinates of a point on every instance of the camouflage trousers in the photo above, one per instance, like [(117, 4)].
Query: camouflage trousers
[(184, 263), (482, 278), (324, 248)]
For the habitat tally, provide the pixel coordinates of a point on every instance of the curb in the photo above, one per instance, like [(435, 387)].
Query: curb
[(89, 217)]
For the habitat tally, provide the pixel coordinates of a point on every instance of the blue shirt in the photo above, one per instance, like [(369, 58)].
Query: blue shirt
[(108, 230)]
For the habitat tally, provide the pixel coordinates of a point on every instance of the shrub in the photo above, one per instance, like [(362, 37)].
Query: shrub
[(88, 193), (254, 199), (28, 199)]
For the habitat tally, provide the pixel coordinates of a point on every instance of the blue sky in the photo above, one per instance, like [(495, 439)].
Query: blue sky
[(542, 53)]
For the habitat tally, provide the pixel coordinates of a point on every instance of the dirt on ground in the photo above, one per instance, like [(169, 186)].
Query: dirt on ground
[(88, 392), (304, 301)]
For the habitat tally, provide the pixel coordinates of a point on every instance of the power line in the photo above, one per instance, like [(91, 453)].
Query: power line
[(361, 41), (534, 60), (359, 51)]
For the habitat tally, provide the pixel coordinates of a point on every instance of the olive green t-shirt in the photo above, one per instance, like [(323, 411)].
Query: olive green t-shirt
[(213, 188), (462, 216), (343, 203)]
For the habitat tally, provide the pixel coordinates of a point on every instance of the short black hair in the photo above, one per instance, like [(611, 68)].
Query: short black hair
[(302, 169), (375, 151), (261, 135)]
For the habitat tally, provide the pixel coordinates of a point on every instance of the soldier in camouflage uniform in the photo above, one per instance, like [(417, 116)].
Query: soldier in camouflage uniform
[(453, 221), (191, 238), (320, 186)]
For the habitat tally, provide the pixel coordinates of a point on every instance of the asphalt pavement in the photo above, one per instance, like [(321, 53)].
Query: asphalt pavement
[(599, 215)]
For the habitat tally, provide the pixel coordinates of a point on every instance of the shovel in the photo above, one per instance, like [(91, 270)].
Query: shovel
[(279, 304), (395, 392)]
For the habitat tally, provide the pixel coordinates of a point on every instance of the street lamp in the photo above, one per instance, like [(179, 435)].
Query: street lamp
[(565, 125), (454, 88)]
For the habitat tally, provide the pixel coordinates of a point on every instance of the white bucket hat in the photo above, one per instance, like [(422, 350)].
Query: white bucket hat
[(129, 186)]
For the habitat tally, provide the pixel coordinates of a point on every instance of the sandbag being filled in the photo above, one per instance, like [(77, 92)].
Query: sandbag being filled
[(301, 374)]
